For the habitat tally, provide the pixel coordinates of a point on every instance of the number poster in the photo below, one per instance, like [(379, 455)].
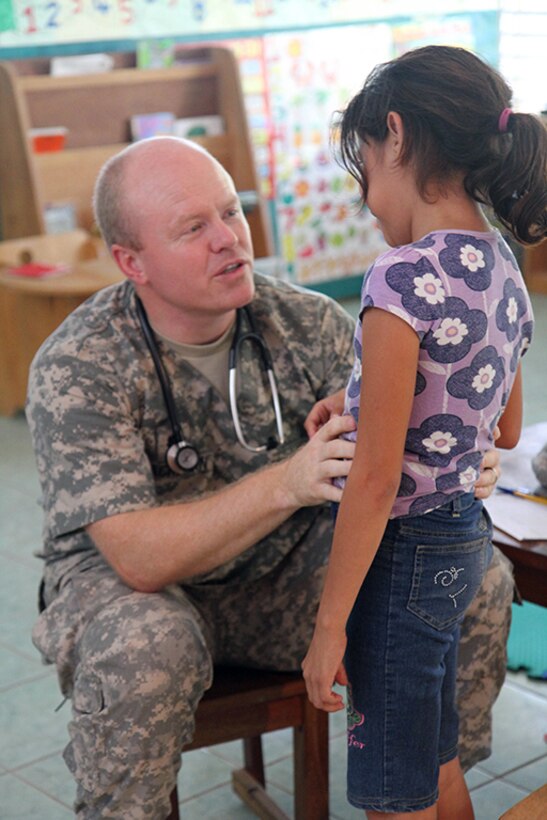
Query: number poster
[(28, 23)]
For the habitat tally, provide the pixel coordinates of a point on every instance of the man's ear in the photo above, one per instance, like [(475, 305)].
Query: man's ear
[(396, 132), (129, 262)]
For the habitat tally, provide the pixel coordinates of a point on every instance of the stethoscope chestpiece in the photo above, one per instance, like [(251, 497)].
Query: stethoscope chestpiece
[(182, 457)]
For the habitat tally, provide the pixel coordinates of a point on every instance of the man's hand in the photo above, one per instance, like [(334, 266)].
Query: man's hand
[(309, 472), (333, 405), (324, 410), (490, 472)]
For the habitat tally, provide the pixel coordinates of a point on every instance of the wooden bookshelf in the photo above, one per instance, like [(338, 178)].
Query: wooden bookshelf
[(97, 109)]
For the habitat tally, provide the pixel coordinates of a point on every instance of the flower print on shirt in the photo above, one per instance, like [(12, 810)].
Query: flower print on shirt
[(425, 503), (354, 384), (426, 242), (422, 292), (439, 442), (510, 309), (407, 486), (446, 306), (507, 253), (439, 438), (478, 382), (469, 258), (526, 340), (458, 330), (421, 384), (465, 474), (430, 288), (472, 258)]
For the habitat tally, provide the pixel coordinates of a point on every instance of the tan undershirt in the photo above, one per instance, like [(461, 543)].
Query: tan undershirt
[(210, 359)]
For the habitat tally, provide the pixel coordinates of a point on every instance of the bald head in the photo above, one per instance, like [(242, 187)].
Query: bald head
[(130, 183)]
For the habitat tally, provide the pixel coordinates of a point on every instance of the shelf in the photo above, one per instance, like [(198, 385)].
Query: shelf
[(96, 110), (122, 76)]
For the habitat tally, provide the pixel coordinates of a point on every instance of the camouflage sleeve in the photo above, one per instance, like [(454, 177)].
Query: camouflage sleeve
[(336, 333), (90, 457)]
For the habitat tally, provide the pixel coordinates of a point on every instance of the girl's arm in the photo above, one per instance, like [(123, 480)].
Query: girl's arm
[(510, 424), (390, 356)]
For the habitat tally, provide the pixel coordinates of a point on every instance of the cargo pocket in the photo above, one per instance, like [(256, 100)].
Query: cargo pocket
[(86, 754)]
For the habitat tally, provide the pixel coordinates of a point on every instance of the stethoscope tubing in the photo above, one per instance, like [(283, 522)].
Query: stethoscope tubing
[(258, 341), (161, 372), (176, 439)]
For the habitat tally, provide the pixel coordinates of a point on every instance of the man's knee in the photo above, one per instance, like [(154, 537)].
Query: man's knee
[(143, 666), (485, 628), (482, 659), (150, 644)]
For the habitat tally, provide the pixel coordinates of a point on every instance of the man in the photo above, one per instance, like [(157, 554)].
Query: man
[(169, 544)]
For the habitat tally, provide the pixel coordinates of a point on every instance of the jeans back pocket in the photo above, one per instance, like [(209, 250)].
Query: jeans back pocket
[(445, 580)]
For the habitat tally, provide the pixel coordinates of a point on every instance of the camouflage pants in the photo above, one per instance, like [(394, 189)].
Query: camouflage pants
[(482, 659), (136, 665)]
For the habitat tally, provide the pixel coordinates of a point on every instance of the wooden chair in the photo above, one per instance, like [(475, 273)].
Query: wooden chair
[(246, 703), (532, 807)]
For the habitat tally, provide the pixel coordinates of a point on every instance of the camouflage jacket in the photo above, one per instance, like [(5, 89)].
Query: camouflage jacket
[(100, 428)]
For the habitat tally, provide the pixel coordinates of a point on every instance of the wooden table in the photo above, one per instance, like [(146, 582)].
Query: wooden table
[(30, 310), (529, 558)]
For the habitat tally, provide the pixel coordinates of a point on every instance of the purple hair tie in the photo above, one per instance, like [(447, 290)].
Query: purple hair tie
[(503, 121)]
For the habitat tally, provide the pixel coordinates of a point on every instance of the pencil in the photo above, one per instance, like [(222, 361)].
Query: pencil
[(522, 493)]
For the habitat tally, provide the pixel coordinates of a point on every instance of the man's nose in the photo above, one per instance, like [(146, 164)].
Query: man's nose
[(223, 236)]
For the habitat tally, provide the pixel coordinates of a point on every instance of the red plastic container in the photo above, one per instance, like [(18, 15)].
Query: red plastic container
[(44, 140)]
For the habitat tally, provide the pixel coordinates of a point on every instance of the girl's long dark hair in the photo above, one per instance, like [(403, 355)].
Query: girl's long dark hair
[(450, 102)]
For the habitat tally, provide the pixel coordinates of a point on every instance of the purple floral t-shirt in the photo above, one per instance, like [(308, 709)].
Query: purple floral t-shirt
[(465, 297)]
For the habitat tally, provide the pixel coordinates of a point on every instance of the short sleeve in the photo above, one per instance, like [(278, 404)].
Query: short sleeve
[(406, 285)]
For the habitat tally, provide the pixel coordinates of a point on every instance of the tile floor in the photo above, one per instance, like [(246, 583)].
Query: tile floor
[(33, 780)]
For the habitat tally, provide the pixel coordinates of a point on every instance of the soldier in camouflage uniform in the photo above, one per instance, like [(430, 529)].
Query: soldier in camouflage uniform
[(150, 577)]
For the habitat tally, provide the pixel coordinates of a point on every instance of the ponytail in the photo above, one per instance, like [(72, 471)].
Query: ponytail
[(457, 121), (514, 183)]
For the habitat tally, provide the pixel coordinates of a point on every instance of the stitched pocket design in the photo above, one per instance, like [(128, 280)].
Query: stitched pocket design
[(446, 579)]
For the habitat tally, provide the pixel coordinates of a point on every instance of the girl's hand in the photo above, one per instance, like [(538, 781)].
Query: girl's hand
[(322, 667)]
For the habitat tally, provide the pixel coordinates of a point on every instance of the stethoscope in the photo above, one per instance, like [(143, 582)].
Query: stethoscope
[(182, 456)]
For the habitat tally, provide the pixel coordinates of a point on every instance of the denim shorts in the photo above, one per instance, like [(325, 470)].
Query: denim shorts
[(402, 653)]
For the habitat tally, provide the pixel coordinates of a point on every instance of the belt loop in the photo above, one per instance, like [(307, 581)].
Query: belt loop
[(457, 506)]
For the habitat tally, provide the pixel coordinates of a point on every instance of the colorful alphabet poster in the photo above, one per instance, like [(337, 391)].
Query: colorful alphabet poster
[(46, 22), (324, 233)]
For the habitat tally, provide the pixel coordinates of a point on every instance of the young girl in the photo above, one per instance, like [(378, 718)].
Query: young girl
[(444, 320)]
